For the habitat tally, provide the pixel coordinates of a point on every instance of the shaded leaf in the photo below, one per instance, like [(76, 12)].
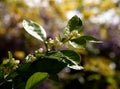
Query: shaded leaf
[(49, 65), (23, 68), (1, 74), (6, 85), (36, 79), (20, 81), (34, 29)]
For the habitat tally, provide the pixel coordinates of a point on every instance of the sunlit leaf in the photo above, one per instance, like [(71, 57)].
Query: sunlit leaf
[(36, 79), (83, 39), (34, 29), (69, 57), (75, 67), (74, 23), (55, 55), (72, 56), (72, 59), (73, 45)]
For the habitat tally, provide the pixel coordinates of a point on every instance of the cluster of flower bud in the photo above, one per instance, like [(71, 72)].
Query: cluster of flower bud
[(12, 62), (40, 50), (71, 35), (9, 65), (53, 43), (75, 34), (30, 58), (67, 33)]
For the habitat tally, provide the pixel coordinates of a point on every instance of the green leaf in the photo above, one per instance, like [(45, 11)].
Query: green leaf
[(34, 29), (74, 23), (10, 55), (23, 68), (49, 65), (55, 55), (38, 55), (72, 59), (1, 75), (36, 79), (69, 57), (83, 39), (6, 85), (73, 45), (72, 56), (20, 81), (75, 67)]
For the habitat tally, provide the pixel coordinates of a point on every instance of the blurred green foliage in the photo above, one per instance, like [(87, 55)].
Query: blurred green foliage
[(101, 61)]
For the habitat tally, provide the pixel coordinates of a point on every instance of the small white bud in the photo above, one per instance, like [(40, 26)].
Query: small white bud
[(40, 50)]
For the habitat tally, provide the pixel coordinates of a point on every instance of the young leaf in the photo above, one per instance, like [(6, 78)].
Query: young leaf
[(34, 29), (83, 39), (74, 23), (36, 79), (10, 55)]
